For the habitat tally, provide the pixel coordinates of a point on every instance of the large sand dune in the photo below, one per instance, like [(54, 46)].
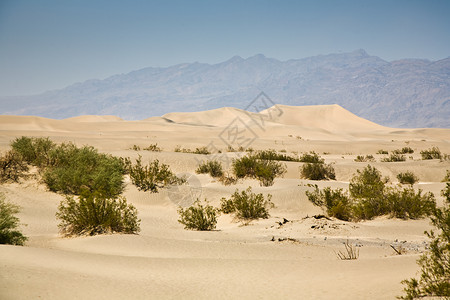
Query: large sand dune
[(165, 261)]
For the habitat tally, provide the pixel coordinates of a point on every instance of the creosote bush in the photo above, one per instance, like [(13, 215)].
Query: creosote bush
[(273, 155), (433, 153), (212, 167), (394, 157), (369, 197), (9, 223), (434, 279), (247, 205), (407, 178), (198, 217), (153, 176), (367, 158), (311, 157), (94, 213), (318, 171), (252, 167)]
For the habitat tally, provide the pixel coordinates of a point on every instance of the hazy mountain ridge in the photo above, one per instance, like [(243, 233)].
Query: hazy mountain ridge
[(404, 93)]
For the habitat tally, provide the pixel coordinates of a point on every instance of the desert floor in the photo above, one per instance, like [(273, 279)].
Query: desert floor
[(263, 259)]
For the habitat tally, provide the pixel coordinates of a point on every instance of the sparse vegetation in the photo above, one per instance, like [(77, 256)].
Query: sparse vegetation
[(351, 252), (369, 197), (381, 151), (200, 150), (404, 150), (311, 157), (247, 205), (152, 176), (198, 217), (447, 177), (9, 223), (434, 280), (394, 157), (367, 158), (407, 178), (212, 167), (433, 153), (93, 213), (153, 148), (273, 155)]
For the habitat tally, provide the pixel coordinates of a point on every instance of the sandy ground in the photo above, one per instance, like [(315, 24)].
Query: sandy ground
[(262, 260)]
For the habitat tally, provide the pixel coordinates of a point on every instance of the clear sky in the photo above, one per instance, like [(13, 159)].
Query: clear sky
[(49, 44)]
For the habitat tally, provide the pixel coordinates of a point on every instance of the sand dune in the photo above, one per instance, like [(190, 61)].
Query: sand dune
[(165, 261)]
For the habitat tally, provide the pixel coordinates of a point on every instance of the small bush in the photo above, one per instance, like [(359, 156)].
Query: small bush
[(213, 168), (153, 148), (227, 179), (394, 157), (153, 176), (367, 158), (407, 178), (404, 150), (407, 204), (273, 155), (9, 234), (94, 214), (433, 153), (434, 280), (198, 217), (247, 205), (311, 157), (336, 202), (381, 151), (12, 166), (447, 177), (318, 171), (263, 170), (35, 151), (201, 150)]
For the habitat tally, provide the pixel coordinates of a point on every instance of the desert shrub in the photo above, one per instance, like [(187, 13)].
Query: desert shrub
[(227, 179), (434, 280), (404, 150), (447, 177), (317, 171), (212, 167), (367, 158), (407, 178), (433, 153), (273, 155), (198, 217), (263, 170), (12, 166), (93, 213), (35, 151), (136, 148), (407, 204), (202, 150), (152, 176), (9, 223), (74, 169), (153, 148), (311, 157), (367, 188), (247, 205), (381, 151), (336, 202), (394, 157)]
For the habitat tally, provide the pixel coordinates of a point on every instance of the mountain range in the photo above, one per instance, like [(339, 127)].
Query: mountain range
[(403, 93)]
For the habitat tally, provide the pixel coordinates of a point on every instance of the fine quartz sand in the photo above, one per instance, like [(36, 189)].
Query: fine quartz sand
[(260, 260)]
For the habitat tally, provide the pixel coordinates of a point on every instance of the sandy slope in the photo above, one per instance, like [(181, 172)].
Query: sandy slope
[(165, 261)]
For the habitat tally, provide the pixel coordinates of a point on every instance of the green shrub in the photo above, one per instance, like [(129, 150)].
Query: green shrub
[(407, 178), (434, 280), (367, 187), (202, 150), (407, 204), (152, 176), (35, 151), (336, 202), (404, 150), (394, 157), (318, 171), (213, 168), (9, 234), (311, 157), (93, 214), (12, 166), (273, 155), (247, 205), (198, 217), (367, 158), (74, 169), (263, 170), (381, 151), (433, 153)]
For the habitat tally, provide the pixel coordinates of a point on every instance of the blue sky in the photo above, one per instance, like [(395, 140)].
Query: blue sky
[(49, 44)]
